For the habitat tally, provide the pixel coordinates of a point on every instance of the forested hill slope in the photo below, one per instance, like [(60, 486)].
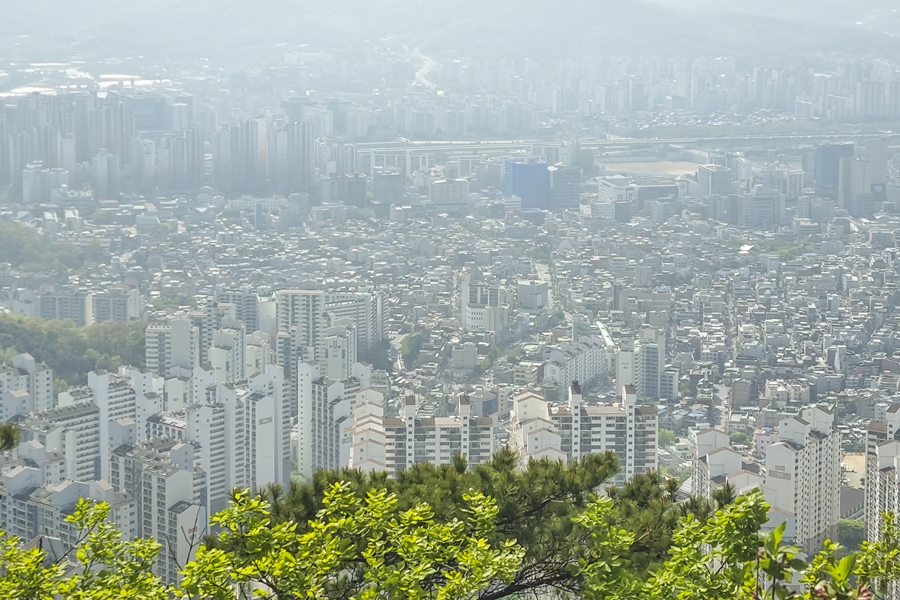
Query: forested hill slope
[(73, 351)]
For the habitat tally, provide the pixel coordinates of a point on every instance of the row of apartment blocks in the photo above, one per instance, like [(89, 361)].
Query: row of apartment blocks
[(535, 429), (570, 431), (800, 475), (170, 456), (120, 304)]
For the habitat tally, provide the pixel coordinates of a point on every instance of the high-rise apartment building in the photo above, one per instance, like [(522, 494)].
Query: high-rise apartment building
[(31, 377), (395, 444), (716, 463), (803, 476), (63, 304), (31, 507), (212, 316), (226, 354), (323, 415), (118, 304), (242, 435), (172, 348), (170, 503), (115, 399), (246, 305), (883, 475), (72, 430), (305, 311)]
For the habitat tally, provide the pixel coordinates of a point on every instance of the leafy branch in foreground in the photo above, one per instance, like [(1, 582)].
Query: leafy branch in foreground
[(725, 558), (99, 566), (367, 544), (371, 547)]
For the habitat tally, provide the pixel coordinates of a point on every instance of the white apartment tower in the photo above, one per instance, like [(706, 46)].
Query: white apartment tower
[(226, 353), (340, 350), (368, 450), (24, 387), (323, 415), (30, 507), (246, 305), (715, 463), (170, 498), (115, 398), (258, 353), (217, 426), (73, 431), (803, 476), (883, 475), (303, 312), (176, 345), (267, 428)]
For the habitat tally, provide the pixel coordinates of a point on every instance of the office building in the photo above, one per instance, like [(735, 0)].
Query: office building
[(530, 181), (713, 179), (354, 190), (760, 209), (828, 167), (483, 304), (449, 194), (565, 187), (388, 186)]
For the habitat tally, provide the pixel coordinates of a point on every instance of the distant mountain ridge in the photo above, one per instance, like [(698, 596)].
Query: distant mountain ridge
[(512, 28)]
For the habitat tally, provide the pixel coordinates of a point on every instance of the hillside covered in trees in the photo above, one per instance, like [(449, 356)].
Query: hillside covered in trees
[(27, 250), (73, 351), (435, 532)]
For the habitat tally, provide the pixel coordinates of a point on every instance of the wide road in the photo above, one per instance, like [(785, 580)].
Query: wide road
[(620, 144)]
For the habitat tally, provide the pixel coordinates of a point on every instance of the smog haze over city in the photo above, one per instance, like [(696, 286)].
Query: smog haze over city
[(531, 249)]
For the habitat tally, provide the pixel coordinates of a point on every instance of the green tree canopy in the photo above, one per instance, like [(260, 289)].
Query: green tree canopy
[(740, 438), (851, 533), (410, 347), (28, 250), (667, 438), (72, 351), (535, 506), (369, 546)]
